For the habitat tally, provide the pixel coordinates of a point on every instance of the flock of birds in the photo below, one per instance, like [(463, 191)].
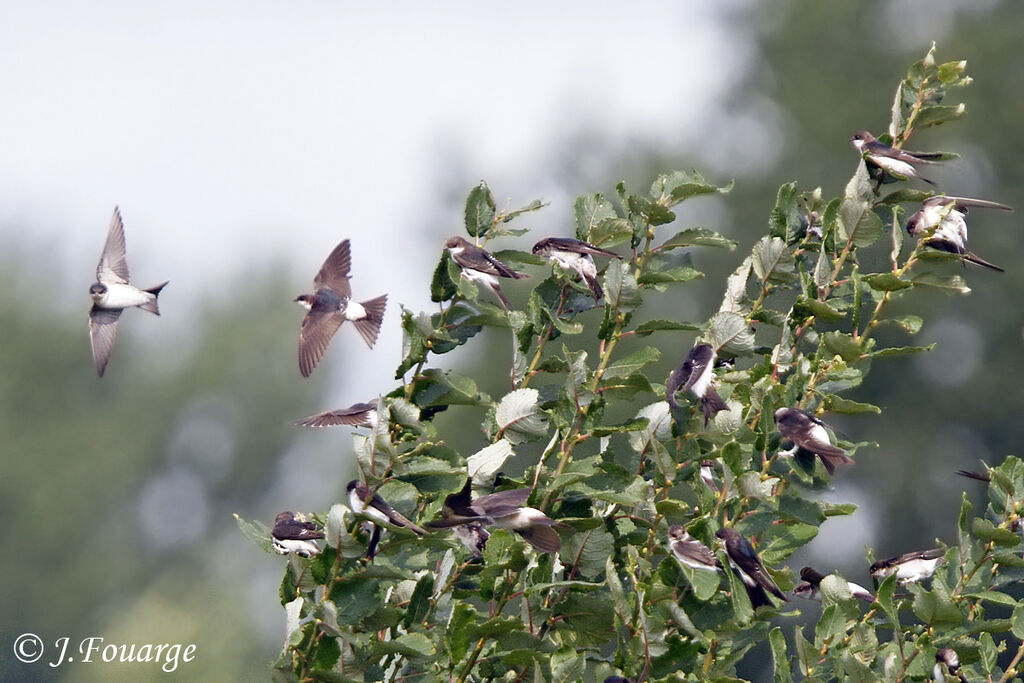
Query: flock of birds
[(940, 223)]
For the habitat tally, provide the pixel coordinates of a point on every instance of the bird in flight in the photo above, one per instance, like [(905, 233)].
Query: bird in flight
[(112, 293), (330, 305)]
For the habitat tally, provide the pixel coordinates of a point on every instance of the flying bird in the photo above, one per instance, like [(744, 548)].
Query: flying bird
[(356, 415), (909, 567), (576, 256), (472, 535), (479, 266), (112, 293), (811, 587), (941, 223), (330, 305), (376, 508), (808, 433), (947, 656), (897, 162), (691, 552), (694, 376), (503, 509), (748, 566), (291, 535)]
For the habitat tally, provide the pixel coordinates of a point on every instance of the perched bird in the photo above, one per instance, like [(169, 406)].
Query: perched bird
[(691, 552), (472, 535), (808, 433), (910, 567), (942, 223), (479, 266), (375, 507), (503, 509), (898, 162), (330, 305), (947, 656), (356, 415), (694, 376), (291, 535), (811, 587), (748, 566), (574, 255), (112, 293)]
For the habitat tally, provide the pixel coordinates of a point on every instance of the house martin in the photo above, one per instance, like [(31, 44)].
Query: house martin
[(356, 415), (112, 293), (947, 656), (479, 266), (808, 433), (503, 509), (748, 566), (694, 376), (576, 256), (330, 305), (910, 567), (897, 162), (811, 587), (691, 552), (376, 508), (942, 224), (291, 535)]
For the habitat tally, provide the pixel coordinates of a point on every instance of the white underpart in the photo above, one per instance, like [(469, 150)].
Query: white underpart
[(123, 296), (700, 387), (372, 418), (894, 165), (296, 545), (360, 507), (857, 589), (937, 673), (820, 434), (354, 311), (581, 263), (916, 570), (522, 519), (742, 574), (953, 228), (481, 277)]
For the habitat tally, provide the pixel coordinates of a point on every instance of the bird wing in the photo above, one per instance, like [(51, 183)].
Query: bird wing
[(317, 329), (699, 359), (334, 274), (353, 415), (102, 334), (113, 265), (514, 498)]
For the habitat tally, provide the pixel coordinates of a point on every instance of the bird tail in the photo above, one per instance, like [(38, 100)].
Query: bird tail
[(711, 403), (973, 258), (595, 287), (974, 475), (369, 327), (501, 297), (921, 177), (833, 460), (543, 538), (757, 596), (152, 306)]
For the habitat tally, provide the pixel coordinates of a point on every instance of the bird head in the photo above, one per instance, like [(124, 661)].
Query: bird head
[(97, 290)]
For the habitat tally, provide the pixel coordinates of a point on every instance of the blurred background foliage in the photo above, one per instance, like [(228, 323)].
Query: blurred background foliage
[(117, 495)]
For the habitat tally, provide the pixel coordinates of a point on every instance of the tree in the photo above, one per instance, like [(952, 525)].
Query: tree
[(613, 455)]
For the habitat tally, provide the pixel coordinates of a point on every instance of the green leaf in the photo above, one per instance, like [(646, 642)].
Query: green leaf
[(680, 185), (886, 282), (697, 237), (486, 462), (857, 222), (899, 351), (480, 210), (433, 388), (906, 195), (772, 260), (519, 417), (658, 427), (567, 665), (411, 645), (590, 210), (938, 114), (1017, 621), (650, 326), (444, 285), (621, 290), (419, 603), (842, 345), (456, 635), (257, 532), (735, 298), (652, 213), (831, 626), (782, 665), (950, 284), (838, 404), (610, 231), (730, 331), (784, 221), (633, 362), (983, 528), (993, 597), (911, 323), (935, 606), (653, 272), (819, 309)]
